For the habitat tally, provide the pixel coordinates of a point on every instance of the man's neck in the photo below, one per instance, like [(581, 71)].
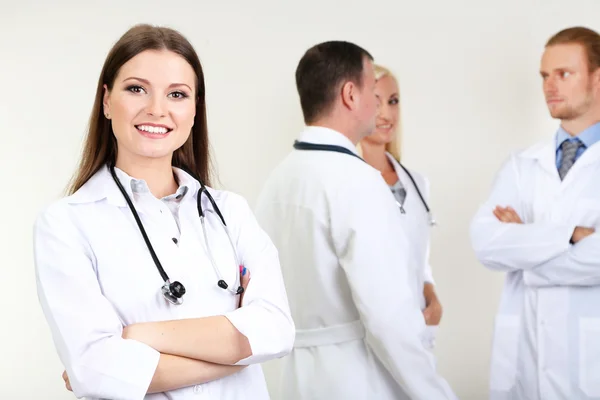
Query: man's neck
[(338, 127), (575, 126)]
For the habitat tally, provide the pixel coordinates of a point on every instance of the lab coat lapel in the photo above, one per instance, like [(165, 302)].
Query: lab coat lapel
[(590, 156), (101, 186), (546, 157), (403, 177)]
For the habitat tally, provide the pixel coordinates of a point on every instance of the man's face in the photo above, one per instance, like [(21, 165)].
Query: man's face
[(567, 81), (368, 102)]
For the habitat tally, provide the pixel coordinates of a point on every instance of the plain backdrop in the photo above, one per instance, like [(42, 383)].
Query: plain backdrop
[(471, 93)]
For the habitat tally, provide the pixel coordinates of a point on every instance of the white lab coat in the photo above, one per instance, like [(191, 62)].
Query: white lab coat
[(547, 332), (416, 224), (95, 275), (352, 288)]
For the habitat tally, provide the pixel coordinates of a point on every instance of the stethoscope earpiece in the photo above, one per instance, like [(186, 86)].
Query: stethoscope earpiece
[(222, 284)]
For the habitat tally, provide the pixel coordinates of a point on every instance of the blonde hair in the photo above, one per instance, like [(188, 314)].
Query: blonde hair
[(393, 147)]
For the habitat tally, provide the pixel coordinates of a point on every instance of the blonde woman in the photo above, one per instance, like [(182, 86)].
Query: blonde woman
[(409, 188)]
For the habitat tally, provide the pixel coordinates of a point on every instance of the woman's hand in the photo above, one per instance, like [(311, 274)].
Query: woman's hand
[(433, 310), (66, 379)]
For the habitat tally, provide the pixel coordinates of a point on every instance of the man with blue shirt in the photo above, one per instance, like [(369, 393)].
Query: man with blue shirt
[(539, 226)]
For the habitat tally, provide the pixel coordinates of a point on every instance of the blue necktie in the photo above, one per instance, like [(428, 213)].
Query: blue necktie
[(569, 151)]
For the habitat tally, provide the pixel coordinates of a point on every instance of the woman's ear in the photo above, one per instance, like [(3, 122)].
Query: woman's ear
[(106, 102)]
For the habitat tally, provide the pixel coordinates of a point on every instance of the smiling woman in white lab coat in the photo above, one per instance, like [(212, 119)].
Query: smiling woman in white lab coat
[(141, 294), (411, 191)]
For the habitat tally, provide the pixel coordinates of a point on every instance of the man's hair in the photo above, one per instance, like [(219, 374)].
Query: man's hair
[(322, 70), (588, 38)]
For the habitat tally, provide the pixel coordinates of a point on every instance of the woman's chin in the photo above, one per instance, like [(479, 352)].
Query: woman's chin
[(379, 138)]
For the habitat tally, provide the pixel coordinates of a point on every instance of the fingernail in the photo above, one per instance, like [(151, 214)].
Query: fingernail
[(244, 271)]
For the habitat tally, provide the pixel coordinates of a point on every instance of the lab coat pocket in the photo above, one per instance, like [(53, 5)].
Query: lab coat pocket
[(589, 356), (505, 353)]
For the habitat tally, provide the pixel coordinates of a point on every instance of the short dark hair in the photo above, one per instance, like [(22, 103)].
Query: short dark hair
[(320, 72), (586, 37)]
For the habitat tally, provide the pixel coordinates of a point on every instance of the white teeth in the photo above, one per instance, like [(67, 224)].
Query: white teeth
[(153, 129), (384, 126)]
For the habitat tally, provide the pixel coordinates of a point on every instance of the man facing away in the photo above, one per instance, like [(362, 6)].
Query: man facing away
[(539, 226), (345, 258)]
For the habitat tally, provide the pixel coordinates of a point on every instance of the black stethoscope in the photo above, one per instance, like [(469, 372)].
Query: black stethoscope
[(339, 149), (174, 291)]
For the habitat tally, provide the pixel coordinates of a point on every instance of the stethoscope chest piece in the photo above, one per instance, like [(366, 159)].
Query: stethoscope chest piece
[(432, 221), (173, 292)]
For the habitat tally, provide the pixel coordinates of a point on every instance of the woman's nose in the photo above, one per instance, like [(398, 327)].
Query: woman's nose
[(156, 107)]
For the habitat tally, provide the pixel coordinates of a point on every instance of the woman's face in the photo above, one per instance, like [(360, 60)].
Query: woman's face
[(151, 106), (387, 92)]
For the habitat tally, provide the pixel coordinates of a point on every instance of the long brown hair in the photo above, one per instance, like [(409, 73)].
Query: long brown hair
[(100, 146)]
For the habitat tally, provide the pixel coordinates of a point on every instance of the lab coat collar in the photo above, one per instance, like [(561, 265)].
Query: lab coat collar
[(395, 163), (545, 154), (588, 136), (322, 135), (102, 186)]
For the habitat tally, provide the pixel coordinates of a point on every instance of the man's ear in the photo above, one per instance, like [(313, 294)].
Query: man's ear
[(596, 77), (349, 94)]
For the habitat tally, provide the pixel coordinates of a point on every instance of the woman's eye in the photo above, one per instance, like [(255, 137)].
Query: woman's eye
[(136, 89), (178, 95), (393, 102)]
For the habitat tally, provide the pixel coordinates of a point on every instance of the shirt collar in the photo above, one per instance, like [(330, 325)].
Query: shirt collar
[(588, 137), (322, 135), (102, 186)]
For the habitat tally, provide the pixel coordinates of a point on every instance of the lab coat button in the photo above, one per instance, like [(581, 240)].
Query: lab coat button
[(197, 389)]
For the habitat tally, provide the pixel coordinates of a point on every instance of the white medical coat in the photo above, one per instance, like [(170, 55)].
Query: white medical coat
[(416, 223), (352, 290), (547, 331), (95, 276)]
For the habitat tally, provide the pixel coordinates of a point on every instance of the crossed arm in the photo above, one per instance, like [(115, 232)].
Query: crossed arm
[(105, 360), (578, 266), (509, 215), (549, 253), (183, 357)]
